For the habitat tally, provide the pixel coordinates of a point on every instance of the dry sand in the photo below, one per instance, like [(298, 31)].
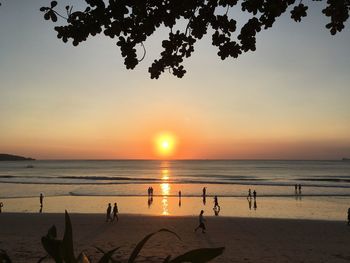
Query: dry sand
[(245, 239)]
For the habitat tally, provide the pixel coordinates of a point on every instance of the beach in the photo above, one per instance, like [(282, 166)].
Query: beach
[(244, 239)]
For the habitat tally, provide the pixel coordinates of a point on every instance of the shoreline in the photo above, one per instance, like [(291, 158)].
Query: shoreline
[(245, 239), (299, 207)]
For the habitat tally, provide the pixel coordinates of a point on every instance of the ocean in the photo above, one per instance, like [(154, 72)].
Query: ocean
[(327, 182)]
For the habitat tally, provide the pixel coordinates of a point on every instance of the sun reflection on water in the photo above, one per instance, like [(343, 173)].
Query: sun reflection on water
[(165, 188)]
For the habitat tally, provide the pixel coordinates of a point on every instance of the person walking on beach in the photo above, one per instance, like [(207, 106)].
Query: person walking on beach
[(1, 205), (204, 192), (108, 215), (41, 198), (349, 216), (115, 212), (201, 223), (254, 194), (299, 188), (216, 202), (249, 194)]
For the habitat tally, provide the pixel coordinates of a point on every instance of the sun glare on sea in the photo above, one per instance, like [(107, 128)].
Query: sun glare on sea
[(165, 144)]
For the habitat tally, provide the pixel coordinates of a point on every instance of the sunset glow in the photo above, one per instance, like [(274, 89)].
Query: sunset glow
[(165, 145)]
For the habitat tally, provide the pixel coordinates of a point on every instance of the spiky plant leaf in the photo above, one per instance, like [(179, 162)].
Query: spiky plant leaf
[(52, 247), (82, 258), (200, 255), (108, 256), (140, 245), (67, 243), (4, 258)]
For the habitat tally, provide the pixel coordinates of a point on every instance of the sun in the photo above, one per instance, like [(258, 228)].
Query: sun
[(165, 144)]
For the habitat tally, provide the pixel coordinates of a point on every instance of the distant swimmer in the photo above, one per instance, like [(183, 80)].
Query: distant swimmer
[(115, 212), (201, 223), (41, 198), (108, 213)]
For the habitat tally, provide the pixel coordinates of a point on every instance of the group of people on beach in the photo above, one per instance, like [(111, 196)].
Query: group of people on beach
[(297, 189), (249, 198), (115, 212)]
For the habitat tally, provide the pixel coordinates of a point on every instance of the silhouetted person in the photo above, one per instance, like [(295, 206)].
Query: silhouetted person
[(299, 187), (349, 216), (201, 223), (108, 214), (204, 192), (180, 194), (249, 203), (41, 198), (249, 193), (1, 206), (216, 202), (40, 210), (115, 212), (254, 194), (255, 205), (151, 191), (296, 188)]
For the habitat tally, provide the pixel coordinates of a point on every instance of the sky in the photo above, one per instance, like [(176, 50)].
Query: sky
[(287, 100)]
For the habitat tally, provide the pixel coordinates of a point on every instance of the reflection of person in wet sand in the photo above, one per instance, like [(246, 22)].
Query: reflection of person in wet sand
[(216, 210), (216, 202), (108, 213), (201, 222), (255, 205), (41, 198), (150, 201), (204, 200), (179, 198), (249, 202), (115, 212)]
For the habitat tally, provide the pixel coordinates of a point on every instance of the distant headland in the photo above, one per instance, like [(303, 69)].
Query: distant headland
[(10, 157)]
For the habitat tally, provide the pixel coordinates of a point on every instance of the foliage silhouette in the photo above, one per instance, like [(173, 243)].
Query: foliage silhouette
[(132, 22), (62, 251)]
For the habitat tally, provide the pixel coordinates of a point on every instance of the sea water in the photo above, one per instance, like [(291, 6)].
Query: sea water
[(86, 186)]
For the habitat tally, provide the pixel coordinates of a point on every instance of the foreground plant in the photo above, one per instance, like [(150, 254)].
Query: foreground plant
[(62, 251)]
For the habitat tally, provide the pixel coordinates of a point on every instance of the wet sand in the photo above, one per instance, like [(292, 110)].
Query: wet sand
[(245, 239)]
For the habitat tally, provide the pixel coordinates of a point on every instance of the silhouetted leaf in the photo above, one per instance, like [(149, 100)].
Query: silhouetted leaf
[(67, 243), (107, 256), (52, 247), (53, 4), (167, 259), (41, 259), (4, 258), (200, 255), (140, 245), (82, 258)]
